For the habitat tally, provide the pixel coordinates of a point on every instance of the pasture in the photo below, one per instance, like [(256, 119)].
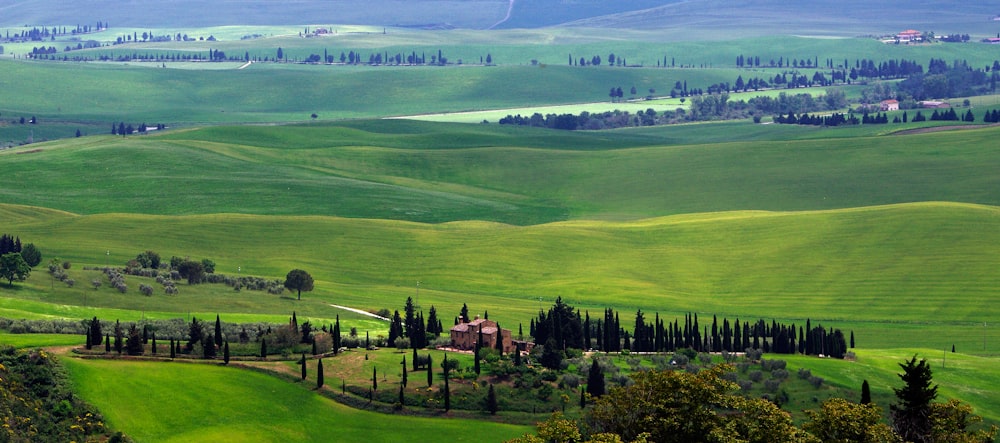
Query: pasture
[(181, 402)]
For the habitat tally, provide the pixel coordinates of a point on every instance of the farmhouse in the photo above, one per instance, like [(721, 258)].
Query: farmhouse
[(909, 35), (889, 105), (465, 335)]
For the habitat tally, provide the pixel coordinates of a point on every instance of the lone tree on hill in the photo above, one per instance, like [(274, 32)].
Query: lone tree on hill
[(911, 416), (13, 267), (298, 280)]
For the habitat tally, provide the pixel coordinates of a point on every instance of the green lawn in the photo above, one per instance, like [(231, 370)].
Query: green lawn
[(166, 402)]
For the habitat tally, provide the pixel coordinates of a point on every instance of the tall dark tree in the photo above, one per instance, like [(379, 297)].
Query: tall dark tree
[(95, 332), (430, 371), (195, 333), (119, 335), (302, 363), (375, 378), (208, 347), (153, 346), (218, 331), (298, 280), (263, 348), (409, 319), (403, 382), (464, 314), (866, 393), (551, 354), (173, 350), (225, 352), (447, 389), (13, 267), (595, 380), (107, 343), (491, 401), (911, 414), (319, 374), (133, 343)]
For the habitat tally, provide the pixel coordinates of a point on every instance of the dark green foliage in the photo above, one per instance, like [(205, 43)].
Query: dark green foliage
[(595, 380), (319, 374), (134, 341), (32, 256), (911, 415), (430, 371), (402, 398), (173, 350), (95, 332), (302, 363), (107, 343), (148, 259), (225, 353), (263, 348), (195, 333), (403, 383), (551, 354), (191, 270), (218, 331), (298, 280), (208, 347), (866, 393), (491, 401), (119, 336), (447, 389), (13, 267), (153, 346)]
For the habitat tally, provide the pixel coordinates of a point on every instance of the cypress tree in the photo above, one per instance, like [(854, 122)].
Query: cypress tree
[(319, 374), (475, 363), (401, 397), (88, 341), (107, 343), (583, 398), (177, 346), (302, 362), (517, 357), (491, 401), (430, 371), (263, 348), (415, 365), (866, 393), (315, 349), (173, 351), (154, 344), (225, 352), (218, 331), (404, 372), (374, 378), (595, 380), (447, 389), (95, 332)]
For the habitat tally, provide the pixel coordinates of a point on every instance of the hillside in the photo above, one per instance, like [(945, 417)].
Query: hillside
[(883, 272), (433, 172)]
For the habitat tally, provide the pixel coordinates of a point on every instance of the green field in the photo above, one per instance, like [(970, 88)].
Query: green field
[(195, 402)]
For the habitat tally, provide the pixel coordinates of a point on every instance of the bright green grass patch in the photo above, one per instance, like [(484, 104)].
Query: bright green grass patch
[(883, 272), (153, 401), (958, 375), (38, 340)]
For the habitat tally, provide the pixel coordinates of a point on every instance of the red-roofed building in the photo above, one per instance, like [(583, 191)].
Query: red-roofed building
[(909, 35), (465, 335)]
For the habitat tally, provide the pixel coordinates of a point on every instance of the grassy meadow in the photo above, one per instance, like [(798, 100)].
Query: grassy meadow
[(185, 402)]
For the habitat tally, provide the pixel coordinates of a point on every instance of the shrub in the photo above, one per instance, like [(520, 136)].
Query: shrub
[(66, 265), (772, 385), (756, 376), (571, 380), (816, 381), (745, 385), (401, 343), (69, 282), (804, 373), (145, 289), (779, 374)]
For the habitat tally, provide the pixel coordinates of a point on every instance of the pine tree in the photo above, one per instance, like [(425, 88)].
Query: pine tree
[(911, 415), (491, 401), (319, 374), (866, 393)]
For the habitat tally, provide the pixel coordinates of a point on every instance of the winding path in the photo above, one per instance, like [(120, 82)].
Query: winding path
[(358, 311), (510, 9)]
